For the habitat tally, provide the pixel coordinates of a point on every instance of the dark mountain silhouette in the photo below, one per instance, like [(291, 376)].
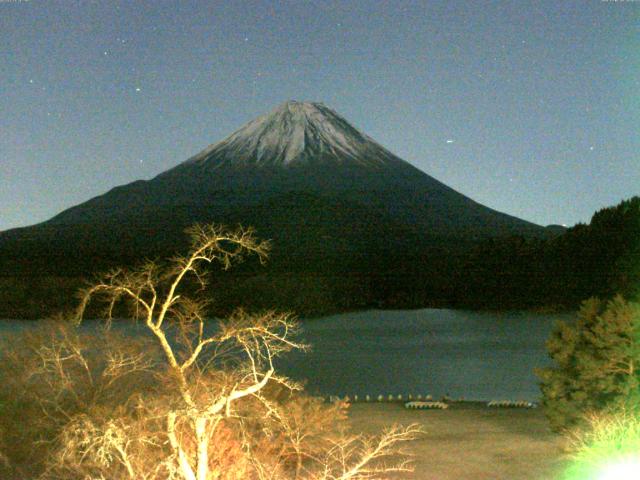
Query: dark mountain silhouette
[(333, 200)]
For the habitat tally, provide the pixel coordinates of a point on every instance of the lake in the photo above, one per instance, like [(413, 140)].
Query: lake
[(478, 356)]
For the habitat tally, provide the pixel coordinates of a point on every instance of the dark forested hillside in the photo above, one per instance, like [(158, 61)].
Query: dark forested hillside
[(598, 259)]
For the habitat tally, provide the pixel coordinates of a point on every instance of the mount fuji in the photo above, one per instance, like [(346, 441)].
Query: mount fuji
[(299, 148), (334, 201)]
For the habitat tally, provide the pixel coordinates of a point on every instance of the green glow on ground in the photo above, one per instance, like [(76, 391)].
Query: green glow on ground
[(620, 468), (608, 449), (623, 469)]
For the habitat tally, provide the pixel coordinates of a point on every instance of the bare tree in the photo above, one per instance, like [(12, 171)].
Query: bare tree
[(218, 409), (55, 375)]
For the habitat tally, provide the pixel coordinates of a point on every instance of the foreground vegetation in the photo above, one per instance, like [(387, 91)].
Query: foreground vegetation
[(592, 392), (595, 362), (183, 401)]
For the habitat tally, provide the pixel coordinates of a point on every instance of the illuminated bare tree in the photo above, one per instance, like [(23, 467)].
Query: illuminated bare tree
[(217, 410), (56, 377), (242, 349)]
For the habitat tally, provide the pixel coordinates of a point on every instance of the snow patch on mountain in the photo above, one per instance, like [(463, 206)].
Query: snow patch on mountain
[(296, 132)]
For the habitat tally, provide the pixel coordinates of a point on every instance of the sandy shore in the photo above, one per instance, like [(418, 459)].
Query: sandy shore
[(471, 441)]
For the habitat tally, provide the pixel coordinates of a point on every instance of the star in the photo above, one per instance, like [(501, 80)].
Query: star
[(449, 141), (592, 148), (138, 89)]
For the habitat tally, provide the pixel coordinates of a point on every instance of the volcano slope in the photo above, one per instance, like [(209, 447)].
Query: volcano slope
[(352, 224)]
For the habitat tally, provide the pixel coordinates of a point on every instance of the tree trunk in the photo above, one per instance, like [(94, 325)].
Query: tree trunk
[(203, 448), (183, 461)]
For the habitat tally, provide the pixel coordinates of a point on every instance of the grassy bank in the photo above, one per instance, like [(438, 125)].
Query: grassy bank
[(469, 441)]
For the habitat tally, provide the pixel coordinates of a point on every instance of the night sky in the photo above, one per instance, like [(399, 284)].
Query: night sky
[(531, 108)]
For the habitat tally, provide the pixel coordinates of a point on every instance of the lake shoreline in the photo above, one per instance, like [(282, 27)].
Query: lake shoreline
[(308, 317)]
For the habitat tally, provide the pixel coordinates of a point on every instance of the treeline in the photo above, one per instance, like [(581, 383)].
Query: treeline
[(517, 272), (599, 259), (558, 272)]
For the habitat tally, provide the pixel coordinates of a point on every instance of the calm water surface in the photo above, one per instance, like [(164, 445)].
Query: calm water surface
[(464, 354), (473, 355)]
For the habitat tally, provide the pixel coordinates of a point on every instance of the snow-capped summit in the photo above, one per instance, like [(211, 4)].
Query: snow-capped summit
[(294, 133)]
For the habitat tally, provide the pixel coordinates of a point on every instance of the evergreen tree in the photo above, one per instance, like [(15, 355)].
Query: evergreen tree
[(597, 361)]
